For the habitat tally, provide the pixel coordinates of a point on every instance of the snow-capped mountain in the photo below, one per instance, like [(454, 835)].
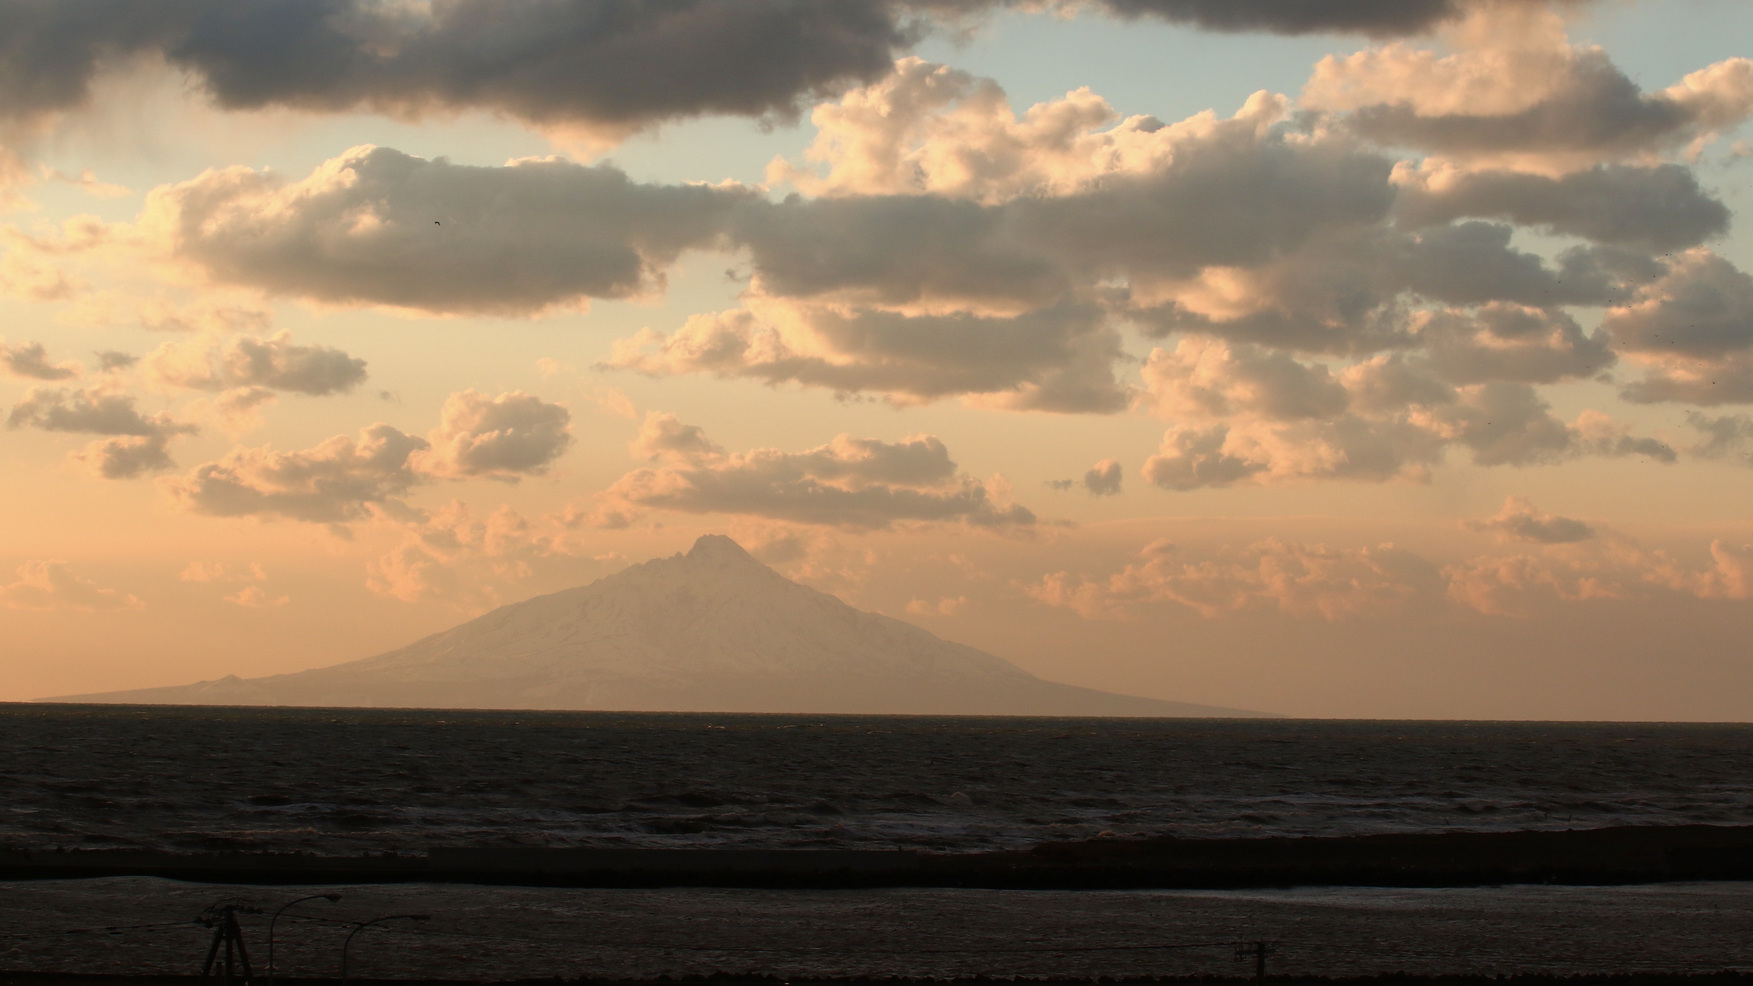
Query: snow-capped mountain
[(712, 630)]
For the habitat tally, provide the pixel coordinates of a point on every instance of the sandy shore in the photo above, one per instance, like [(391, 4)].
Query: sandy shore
[(143, 925)]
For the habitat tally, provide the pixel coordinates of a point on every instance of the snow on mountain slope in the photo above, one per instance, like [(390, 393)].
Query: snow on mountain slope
[(712, 630)]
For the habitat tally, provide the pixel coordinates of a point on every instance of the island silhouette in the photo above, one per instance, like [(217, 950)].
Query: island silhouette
[(709, 630)]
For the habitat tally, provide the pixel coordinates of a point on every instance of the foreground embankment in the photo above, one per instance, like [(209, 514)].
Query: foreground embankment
[(1606, 856), (728, 979)]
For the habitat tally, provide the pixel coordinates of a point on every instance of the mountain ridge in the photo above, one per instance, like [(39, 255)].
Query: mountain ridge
[(708, 630)]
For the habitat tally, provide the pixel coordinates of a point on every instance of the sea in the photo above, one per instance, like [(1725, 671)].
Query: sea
[(349, 782)]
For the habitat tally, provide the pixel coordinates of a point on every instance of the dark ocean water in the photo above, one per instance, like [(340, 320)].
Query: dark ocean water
[(349, 781)]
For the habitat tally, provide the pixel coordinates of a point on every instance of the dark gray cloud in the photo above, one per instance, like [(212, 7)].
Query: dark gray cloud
[(1657, 208), (618, 63), (1239, 198), (615, 64), (897, 249), (1702, 309), (379, 226), (1693, 331), (1375, 18), (1473, 263)]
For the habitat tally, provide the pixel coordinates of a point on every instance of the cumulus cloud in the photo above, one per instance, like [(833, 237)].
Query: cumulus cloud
[(31, 361), (96, 410), (1517, 91), (237, 410), (256, 597), (136, 443), (1232, 193), (216, 571), (1103, 479), (1503, 424), (455, 554), (126, 456), (251, 595), (1245, 416), (1203, 377), (1519, 520), (1693, 329), (345, 479), (931, 129), (330, 483), (48, 585), (1266, 452), (664, 436), (959, 250), (1058, 359), (1510, 343), (857, 483), (1658, 207), (112, 361), (377, 226), (1356, 289), (1726, 436), (942, 227), (1568, 562), (504, 438), (1599, 568), (1298, 580), (274, 363)]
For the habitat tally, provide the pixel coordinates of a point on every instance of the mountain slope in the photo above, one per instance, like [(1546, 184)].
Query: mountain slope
[(713, 630)]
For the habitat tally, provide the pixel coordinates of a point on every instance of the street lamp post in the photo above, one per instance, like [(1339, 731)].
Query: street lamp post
[(366, 924), (331, 898)]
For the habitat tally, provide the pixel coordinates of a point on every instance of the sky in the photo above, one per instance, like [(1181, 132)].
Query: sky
[(1354, 358)]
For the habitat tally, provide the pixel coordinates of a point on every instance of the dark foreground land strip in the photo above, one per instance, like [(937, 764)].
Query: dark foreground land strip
[(1636, 854), (723, 979)]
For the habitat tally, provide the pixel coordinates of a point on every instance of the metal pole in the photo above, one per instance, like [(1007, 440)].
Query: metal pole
[(331, 898), (366, 924)]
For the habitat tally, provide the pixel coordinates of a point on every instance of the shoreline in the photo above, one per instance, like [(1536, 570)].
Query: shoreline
[(1604, 856)]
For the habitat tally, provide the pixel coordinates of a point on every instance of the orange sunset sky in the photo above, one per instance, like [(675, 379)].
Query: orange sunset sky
[(1352, 358)]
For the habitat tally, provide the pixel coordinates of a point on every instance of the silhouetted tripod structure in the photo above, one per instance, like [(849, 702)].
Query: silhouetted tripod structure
[(1256, 950), (222, 918)]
